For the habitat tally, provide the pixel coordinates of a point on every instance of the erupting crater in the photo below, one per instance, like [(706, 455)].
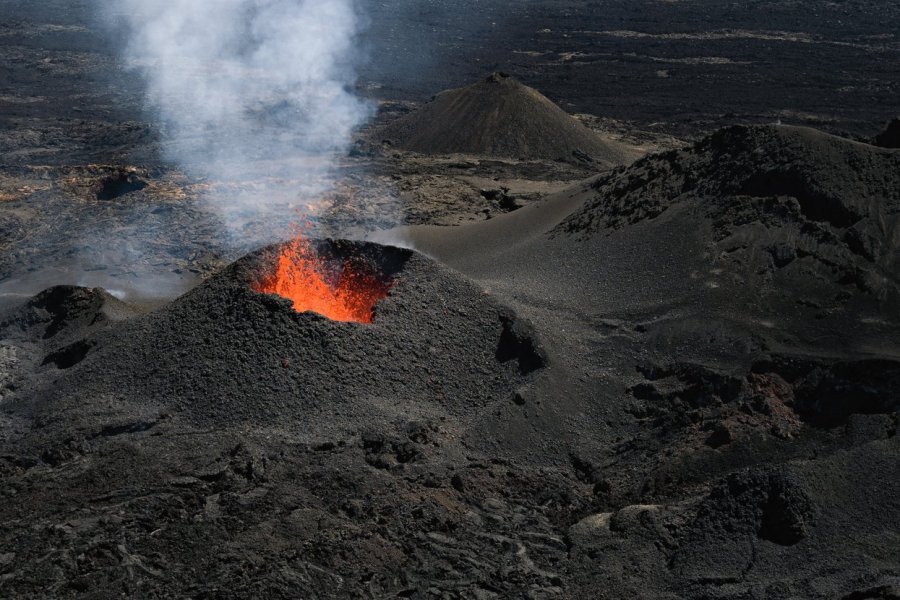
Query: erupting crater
[(230, 352), (339, 280)]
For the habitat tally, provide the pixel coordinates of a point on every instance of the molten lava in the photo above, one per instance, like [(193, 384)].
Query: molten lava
[(335, 290)]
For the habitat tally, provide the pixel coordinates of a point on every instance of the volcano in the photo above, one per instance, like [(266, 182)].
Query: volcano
[(587, 375), (499, 116), (678, 376), (225, 352)]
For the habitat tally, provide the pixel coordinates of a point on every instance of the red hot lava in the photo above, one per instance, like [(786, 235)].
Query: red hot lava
[(339, 292)]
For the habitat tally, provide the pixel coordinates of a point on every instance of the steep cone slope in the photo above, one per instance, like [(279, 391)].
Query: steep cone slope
[(501, 117)]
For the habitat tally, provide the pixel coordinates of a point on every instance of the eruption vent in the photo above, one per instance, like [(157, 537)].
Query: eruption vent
[(341, 290)]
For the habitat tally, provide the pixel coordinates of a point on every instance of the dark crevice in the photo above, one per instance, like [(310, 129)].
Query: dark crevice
[(117, 185), (70, 355), (517, 343), (826, 395), (137, 427), (813, 204)]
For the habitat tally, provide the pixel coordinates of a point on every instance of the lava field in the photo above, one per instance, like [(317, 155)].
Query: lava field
[(446, 300)]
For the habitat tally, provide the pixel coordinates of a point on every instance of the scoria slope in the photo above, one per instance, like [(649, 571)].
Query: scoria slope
[(499, 116)]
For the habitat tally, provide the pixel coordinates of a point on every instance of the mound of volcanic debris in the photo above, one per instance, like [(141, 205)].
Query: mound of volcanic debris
[(782, 204), (225, 353), (51, 329), (499, 116)]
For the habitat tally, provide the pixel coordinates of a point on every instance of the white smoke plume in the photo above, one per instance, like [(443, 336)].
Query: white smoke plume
[(252, 89)]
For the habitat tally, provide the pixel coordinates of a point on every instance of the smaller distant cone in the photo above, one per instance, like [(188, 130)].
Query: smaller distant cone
[(501, 117)]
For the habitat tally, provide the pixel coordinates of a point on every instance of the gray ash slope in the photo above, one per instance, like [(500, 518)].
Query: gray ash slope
[(499, 116), (715, 415)]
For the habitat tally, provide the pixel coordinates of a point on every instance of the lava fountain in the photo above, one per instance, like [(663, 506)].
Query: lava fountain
[(335, 288)]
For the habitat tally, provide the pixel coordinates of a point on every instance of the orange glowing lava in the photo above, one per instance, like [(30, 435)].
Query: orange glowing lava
[(333, 289)]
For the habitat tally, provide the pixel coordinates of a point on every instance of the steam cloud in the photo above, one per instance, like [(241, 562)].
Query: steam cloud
[(256, 89)]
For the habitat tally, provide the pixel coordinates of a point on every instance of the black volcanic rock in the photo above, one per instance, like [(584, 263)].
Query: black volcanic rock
[(499, 116), (741, 296)]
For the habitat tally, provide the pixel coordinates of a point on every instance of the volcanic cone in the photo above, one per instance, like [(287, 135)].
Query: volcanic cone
[(499, 116)]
